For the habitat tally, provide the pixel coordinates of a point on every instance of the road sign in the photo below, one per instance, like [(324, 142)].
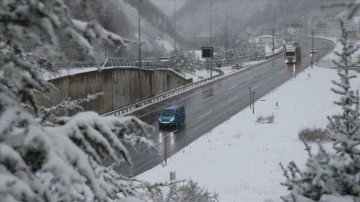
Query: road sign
[(207, 52)]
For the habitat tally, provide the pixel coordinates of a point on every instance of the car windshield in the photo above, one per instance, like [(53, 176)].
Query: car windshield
[(290, 53), (167, 112)]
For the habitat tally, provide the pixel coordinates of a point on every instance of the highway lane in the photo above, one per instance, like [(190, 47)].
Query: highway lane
[(212, 104)]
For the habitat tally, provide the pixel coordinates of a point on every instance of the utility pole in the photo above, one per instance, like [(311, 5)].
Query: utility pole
[(165, 149), (226, 33), (211, 4), (140, 90), (312, 47), (286, 31), (312, 39), (273, 41), (253, 101), (175, 22), (273, 37)]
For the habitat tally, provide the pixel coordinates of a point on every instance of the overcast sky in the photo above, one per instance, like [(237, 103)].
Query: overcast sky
[(167, 6)]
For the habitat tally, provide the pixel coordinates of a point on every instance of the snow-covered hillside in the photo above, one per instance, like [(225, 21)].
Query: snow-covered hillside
[(151, 34), (122, 17)]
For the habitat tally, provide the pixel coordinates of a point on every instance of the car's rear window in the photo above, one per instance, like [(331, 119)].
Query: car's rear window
[(167, 112)]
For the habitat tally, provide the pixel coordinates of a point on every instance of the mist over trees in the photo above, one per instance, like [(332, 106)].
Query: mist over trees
[(249, 16)]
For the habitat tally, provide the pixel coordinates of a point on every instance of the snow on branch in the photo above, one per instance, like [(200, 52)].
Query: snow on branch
[(49, 115), (60, 161)]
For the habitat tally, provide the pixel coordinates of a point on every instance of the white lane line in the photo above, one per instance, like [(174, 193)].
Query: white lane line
[(166, 134), (232, 99), (232, 87), (200, 117), (172, 102), (204, 100)]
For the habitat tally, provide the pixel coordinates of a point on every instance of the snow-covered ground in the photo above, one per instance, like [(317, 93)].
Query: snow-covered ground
[(240, 158), (202, 74)]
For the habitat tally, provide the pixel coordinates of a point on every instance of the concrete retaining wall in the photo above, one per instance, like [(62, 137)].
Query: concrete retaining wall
[(119, 85)]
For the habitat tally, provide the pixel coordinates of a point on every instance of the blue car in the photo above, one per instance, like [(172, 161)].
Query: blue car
[(172, 116)]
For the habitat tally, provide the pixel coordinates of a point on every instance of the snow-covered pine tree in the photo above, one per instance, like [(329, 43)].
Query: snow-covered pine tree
[(344, 127), (242, 46), (333, 176), (59, 161), (177, 60), (184, 192), (181, 62)]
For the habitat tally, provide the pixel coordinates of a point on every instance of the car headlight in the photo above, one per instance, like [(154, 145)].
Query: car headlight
[(159, 119), (172, 119)]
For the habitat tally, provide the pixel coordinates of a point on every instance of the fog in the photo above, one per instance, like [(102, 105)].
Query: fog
[(167, 6)]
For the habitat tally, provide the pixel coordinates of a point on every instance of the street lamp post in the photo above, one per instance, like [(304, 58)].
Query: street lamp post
[(273, 36), (211, 5), (175, 22), (250, 97), (226, 31), (312, 47), (253, 100), (273, 40), (165, 150), (140, 90)]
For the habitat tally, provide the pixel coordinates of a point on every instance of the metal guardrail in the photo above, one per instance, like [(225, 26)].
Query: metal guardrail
[(145, 63), (120, 62), (168, 94), (162, 96), (151, 63), (238, 60)]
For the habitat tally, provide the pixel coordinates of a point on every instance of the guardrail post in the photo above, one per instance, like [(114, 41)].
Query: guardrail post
[(253, 100), (250, 97)]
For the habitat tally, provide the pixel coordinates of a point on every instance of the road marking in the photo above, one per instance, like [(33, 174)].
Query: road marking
[(200, 117), (172, 102), (204, 100), (232, 87), (232, 99), (166, 134)]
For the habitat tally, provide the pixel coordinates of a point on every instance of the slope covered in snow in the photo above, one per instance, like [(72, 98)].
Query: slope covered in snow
[(122, 17)]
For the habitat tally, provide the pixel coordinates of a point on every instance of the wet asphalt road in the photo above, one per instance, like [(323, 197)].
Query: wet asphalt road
[(210, 105)]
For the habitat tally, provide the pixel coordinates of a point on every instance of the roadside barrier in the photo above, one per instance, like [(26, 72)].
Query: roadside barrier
[(168, 94)]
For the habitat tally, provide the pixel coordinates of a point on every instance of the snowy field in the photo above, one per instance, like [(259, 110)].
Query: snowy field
[(240, 158)]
